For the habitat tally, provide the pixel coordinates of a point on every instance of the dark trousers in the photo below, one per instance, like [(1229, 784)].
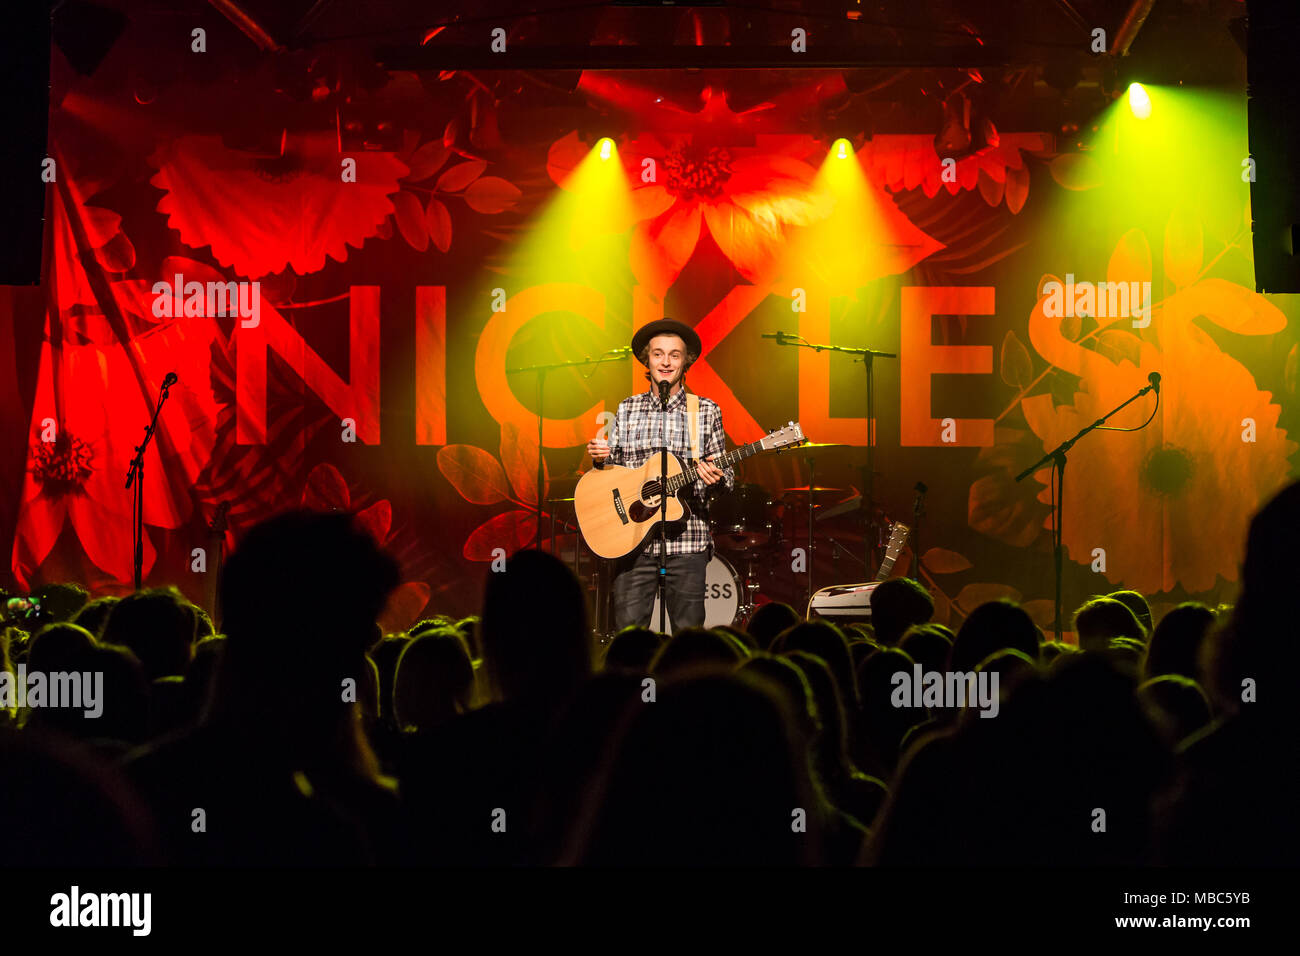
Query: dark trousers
[(635, 589)]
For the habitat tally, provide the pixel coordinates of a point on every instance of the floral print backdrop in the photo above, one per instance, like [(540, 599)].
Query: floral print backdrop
[(373, 297)]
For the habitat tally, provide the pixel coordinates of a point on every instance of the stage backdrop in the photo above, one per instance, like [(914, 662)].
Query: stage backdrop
[(391, 258)]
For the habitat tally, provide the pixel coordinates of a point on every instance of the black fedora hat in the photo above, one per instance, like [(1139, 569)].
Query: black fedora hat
[(665, 327)]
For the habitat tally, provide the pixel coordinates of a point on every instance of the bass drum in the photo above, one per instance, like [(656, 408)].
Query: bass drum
[(722, 591)]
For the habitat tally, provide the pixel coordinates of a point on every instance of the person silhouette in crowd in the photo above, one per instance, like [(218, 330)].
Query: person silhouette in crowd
[(632, 650), (710, 774), (279, 772), (1141, 610), (1103, 618), (94, 613), (1239, 781), (535, 664), (848, 789), (989, 628), (433, 682), (157, 626), (1063, 775), (770, 620), (896, 605), (1175, 645)]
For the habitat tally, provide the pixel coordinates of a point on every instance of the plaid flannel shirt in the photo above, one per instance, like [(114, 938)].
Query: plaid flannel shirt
[(637, 436)]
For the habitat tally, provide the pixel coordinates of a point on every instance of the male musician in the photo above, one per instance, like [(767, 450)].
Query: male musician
[(667, 348)]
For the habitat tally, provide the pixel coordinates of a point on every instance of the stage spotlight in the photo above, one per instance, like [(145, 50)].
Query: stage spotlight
[(846, 130), (606, 147), (959, 136), (953, 138), (1138, 100)]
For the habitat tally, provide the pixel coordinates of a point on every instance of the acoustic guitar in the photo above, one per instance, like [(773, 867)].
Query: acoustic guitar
[(617, 507)]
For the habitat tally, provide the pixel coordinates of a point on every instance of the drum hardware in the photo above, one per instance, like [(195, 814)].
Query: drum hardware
[(837, 547), (744, 519), (565, 527)]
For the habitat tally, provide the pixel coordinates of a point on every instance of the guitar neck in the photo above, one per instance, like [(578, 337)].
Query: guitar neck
[(736, 455)]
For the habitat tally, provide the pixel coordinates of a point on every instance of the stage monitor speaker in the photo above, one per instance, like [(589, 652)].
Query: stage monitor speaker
[(25, 55), (1274, 138)]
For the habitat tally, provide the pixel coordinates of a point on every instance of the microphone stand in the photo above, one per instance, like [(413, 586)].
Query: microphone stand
[(136, 475), (1057, 457), (612, 355), (918, 509), (868, 507), (662, 579)]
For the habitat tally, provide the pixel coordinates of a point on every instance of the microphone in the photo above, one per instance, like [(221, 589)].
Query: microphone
[(1154, 379), (170, 380), (779, 336), (663, 391)]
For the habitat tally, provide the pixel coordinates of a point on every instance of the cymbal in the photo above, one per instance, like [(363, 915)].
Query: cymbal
[(844, 507), (808, 449), (818, 491)]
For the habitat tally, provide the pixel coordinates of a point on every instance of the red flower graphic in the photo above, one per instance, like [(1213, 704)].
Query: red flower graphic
[(99, 377), (901, 163), (753, 200), (261, 215)]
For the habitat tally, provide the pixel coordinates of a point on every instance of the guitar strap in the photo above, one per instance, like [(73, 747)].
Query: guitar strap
[(693, 419)]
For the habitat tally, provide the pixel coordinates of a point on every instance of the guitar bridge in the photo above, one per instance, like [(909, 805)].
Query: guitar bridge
[(618, 506)]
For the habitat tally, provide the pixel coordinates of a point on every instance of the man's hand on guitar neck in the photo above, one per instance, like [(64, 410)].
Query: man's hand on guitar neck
[(709, 474)]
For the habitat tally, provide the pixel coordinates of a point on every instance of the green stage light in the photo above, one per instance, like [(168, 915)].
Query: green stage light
[(1139, 101)]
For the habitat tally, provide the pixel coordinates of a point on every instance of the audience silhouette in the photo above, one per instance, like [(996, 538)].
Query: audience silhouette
[(303, 734)]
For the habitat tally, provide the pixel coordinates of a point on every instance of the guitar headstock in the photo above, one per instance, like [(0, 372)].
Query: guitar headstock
[(898, 533), (787, 437), (897, 538)]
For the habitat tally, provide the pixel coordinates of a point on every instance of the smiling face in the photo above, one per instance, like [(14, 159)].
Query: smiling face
[(666, 354)]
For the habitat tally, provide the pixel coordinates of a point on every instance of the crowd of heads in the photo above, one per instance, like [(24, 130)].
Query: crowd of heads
[(299, 733)]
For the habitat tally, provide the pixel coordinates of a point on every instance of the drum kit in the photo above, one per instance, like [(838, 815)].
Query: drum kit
[(755, 532)]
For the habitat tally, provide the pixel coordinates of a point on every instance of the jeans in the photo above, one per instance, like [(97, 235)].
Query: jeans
[(635, 589)]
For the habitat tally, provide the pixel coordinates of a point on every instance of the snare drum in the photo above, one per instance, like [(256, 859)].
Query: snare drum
[(743, 519), (722, 592)]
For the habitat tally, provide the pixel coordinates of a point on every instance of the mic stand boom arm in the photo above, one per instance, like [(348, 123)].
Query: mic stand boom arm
[(1057, 457), (613, 355), (869, 482), (135, 474)]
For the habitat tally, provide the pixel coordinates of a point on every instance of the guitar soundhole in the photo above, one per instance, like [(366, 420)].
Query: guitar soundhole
[(647, 507), (650, 492)]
